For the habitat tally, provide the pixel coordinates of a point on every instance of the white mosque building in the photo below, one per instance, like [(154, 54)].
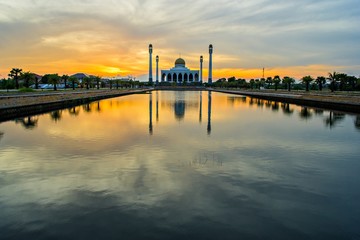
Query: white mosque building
[(180, 73)]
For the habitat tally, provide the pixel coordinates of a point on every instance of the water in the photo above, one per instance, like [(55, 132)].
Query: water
[(181, 165)]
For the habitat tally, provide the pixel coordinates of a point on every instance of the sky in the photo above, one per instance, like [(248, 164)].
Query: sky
[(111, 37)]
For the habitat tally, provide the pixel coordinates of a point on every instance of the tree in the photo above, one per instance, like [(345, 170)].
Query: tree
[(87, 81), (342, 78), (352, 82), (252, 82), (15, 73), (307, 80), (276, 81), (97, 80), (54, 79), (231, 79), (45, 78), (36, 78), (288, 81), (269, 81), (73, 80), (262, 82), (333, 77), (320, 81), (65, 79), (28, 77)]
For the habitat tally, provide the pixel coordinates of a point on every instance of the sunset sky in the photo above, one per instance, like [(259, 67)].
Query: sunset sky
[(111, 37)]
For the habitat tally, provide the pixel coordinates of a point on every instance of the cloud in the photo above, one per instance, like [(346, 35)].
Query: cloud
[(116, 33)]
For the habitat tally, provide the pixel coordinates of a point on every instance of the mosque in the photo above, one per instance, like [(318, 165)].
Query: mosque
[(180, 73)]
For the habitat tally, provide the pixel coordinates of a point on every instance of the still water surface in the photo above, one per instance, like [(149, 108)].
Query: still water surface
[(181, 165)]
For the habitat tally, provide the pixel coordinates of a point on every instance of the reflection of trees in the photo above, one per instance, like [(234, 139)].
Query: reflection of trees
[(74, 111), (87, 108), (1, 135), (275, 106), (56, 115), (305, 113), (29, 122), (286, 109), (251, 102), (232, 100), (318, 111), (357, 122), (98, 109), (268, 104), (260, 102), (334, 118)]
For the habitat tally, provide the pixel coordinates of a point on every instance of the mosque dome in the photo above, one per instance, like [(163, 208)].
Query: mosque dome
[(180, 61)]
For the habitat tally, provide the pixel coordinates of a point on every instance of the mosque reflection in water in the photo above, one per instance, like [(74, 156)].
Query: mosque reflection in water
[(180, 103)]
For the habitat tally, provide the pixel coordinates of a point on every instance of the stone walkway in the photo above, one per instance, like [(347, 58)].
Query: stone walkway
[(34, 98)]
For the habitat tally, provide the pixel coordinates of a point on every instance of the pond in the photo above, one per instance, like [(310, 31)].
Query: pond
[(181, 165)]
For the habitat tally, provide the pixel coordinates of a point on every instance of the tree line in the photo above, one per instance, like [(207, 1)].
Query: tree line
[(334, 81), (20, 79)]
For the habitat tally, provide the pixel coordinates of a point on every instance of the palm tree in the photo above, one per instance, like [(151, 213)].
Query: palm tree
[(97, 79), (342, 78), (73, 80), (252, 82), (15, 73), (333, 77), (87, 81), (320, 81), (27, 77), (54, 79), (65, 78), (36, 78), (307, 80), (269, 81), (276, 81), (288, 81)]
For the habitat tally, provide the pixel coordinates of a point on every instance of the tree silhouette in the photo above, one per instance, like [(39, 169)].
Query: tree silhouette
[(276, 81), (73, 80), (320, 80), (307, 80), (28, 77), (333, 77), (65, 79), (54, 79), (15, 73), (288, 81)]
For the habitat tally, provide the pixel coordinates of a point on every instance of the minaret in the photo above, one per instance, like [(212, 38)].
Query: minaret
[(150, 63), (210, 63), (157, 70), (201, 68)]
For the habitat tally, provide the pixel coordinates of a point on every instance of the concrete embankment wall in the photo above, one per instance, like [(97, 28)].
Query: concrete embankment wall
[(299, 100), (34, 109)]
